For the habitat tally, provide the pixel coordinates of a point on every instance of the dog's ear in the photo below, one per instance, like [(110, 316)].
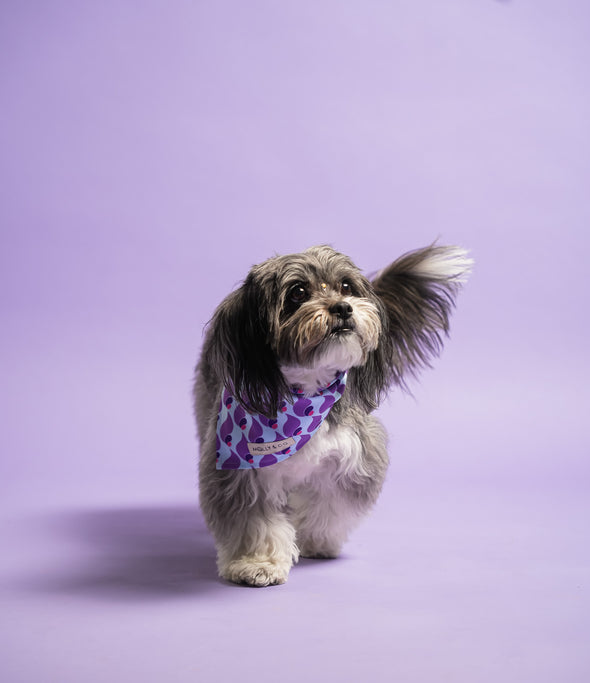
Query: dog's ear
[(237, 349), (418, 293), (368, 383)]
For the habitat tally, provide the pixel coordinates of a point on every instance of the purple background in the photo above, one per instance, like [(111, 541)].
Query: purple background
[(151, 152)]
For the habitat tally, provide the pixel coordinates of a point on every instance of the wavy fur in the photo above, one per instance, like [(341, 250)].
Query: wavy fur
[(295, 320)]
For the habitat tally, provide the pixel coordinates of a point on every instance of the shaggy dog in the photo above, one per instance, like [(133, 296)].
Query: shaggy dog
[(293, 365)]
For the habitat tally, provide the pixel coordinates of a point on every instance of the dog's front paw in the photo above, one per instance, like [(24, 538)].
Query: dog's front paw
[(256, 571)]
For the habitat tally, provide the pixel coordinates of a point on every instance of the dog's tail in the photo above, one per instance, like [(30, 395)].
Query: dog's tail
[(418, 291)]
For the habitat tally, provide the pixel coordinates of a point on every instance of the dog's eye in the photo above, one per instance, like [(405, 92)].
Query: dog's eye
[(297, 294), (346, 288)]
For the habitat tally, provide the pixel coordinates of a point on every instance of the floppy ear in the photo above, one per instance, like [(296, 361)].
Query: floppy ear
[(369, 382), (418, 292), (238, 351)]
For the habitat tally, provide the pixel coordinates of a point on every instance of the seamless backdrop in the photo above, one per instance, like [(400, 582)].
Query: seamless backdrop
[(151, 153)]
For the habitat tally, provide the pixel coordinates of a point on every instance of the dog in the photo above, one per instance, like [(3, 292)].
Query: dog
[(293, 364)]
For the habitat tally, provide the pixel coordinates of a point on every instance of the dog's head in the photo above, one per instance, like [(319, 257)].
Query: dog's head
[(317, 310)]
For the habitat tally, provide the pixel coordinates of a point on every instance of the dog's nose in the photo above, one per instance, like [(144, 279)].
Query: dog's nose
[(342, 310)]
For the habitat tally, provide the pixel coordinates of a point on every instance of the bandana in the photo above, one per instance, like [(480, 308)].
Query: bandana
[(247, 441)]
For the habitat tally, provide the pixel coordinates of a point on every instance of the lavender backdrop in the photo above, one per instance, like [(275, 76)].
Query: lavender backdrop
[(153, 151)]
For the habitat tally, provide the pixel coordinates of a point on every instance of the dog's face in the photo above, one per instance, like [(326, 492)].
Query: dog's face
[(323, 310)]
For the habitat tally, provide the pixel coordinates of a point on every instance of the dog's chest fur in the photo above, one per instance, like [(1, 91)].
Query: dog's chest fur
[(334, 450)]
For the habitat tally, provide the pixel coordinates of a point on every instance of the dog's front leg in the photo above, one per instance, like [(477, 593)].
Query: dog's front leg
[(259, 549), (325, 516), (255, 540), (345, 487)]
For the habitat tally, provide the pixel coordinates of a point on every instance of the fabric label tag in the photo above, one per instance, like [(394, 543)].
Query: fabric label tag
[(272, 447)]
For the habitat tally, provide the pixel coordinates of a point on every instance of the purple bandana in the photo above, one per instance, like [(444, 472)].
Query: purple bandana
[(247, 441)]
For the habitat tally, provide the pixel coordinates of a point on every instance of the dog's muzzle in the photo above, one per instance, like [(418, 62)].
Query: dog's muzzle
[(343, 323)]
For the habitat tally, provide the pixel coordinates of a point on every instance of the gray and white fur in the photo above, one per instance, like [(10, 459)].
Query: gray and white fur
[(295, 321)]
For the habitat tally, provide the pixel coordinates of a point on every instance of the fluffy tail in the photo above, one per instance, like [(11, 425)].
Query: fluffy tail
[(418, 292)]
